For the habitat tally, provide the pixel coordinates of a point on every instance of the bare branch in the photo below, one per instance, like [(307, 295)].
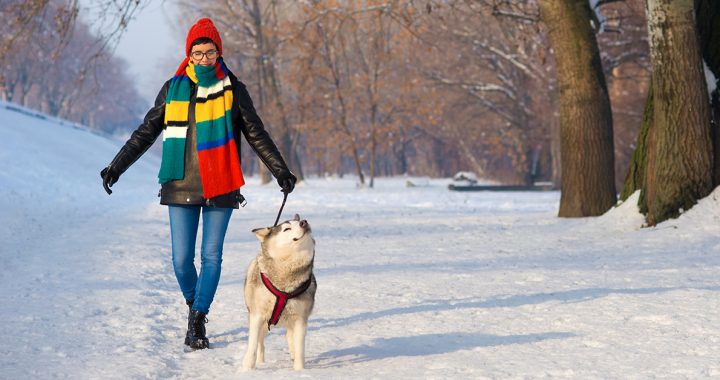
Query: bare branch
[(518, 16), (600, 3)]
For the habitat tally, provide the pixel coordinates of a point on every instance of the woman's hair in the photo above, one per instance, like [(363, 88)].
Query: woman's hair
[(202, 40)]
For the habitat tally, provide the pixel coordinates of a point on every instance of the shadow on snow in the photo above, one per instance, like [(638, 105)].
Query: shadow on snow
[(570, 296), (424, 345)]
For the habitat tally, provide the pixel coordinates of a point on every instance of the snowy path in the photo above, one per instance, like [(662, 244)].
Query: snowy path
[(405, 291), (413, 282)]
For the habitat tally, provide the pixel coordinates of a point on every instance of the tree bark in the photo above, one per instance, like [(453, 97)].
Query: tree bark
[(680, 159), (257, 20), (635, 178), (586, 135)]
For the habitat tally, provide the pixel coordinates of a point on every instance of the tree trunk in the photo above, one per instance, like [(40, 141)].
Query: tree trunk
[(680, 154), (265, 176), (4, 93), (469, 155), (373, 154), (635, 178), (707, 13), (284, 138), (333, 62), (286, 145), (555, 162), (374, 107), (586, 135), (399, 151)]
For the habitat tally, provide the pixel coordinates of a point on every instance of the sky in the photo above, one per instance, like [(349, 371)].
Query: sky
[(152, 47)]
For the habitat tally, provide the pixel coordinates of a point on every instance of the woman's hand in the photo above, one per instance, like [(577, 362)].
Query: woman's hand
[(109, 176), (287, 182)]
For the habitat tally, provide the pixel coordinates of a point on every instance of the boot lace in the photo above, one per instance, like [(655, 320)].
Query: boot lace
[(199, 324)]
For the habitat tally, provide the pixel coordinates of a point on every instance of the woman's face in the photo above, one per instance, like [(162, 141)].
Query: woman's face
[(204, 54)]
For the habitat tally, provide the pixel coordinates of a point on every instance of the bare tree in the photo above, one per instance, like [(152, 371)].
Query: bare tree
[(336, 60), (588, 185), (252, 32), (24, 20), (673, 164), (497, 64), (387, 86), (53, 73)]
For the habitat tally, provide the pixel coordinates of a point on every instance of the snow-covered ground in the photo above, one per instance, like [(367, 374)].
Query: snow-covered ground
[(414, 282)]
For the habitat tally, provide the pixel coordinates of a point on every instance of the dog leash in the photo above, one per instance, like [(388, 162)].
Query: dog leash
[(285, 194)]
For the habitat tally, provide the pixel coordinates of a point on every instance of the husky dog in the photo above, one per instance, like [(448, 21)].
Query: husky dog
[(280, 289)]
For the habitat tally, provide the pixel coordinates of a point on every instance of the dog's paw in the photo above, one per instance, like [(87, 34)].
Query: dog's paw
[(248, 364)]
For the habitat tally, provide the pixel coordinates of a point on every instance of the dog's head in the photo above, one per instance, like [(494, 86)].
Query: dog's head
[(290, 238)]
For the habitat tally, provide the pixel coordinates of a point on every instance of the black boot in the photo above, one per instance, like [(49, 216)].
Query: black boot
[(187, 334), (196, 331)]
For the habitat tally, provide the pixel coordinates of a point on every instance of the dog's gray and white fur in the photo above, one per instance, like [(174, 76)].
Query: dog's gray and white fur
[(286, 258)]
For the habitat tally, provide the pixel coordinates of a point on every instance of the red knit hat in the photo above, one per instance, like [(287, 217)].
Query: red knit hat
[(203, 28)]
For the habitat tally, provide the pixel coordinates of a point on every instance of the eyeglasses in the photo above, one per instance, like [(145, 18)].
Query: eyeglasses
[(198, 55)]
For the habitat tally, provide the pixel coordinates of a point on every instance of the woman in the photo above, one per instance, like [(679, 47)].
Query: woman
[(201, 111)]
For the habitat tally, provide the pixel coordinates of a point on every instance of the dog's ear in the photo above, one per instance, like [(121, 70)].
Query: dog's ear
[(261, 233), (297, 217)]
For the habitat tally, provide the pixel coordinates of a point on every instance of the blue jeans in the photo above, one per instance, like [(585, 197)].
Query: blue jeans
[(184, 222)]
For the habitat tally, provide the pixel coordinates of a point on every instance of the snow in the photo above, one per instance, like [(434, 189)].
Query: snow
[(413, 282), (709, 79), (600, 18)]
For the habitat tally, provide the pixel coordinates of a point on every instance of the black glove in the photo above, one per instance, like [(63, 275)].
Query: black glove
[(287, 182), (109, 176)]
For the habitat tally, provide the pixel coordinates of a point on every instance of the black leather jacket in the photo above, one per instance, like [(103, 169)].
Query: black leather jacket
[(188, 191)]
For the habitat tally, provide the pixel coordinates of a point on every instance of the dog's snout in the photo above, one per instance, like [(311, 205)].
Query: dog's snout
[(303, 223)]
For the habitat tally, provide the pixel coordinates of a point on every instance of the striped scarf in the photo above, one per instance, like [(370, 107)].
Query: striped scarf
[(218, 159)]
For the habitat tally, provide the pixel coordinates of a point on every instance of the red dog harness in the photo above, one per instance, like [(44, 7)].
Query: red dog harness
[(281, 297)]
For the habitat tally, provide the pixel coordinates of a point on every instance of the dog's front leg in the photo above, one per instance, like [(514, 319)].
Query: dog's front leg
[(255, 324), (289, 336), (298, 339), (261, 345)]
